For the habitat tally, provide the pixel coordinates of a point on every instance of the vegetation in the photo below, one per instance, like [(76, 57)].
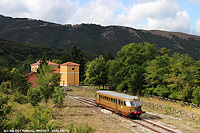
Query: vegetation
[(96, 72), (143, 68), (93, 38), (58, 97), (126, 71), (39, 116)]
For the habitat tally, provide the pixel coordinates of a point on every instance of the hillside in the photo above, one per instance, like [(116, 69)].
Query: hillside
[(96, 39), (12, 53)]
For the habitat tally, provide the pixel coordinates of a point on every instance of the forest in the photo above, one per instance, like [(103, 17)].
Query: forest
[(141, 68), (137, 68)]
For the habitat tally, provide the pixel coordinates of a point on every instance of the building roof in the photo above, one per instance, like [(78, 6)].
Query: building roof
[(52, 64), (49, 63), (116, 94), (34, 64), (70, 64)]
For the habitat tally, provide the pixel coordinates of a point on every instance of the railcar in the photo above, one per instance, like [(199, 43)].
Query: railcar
[(124, 104)]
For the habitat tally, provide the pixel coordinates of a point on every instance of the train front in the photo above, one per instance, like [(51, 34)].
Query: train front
[(134, 107)]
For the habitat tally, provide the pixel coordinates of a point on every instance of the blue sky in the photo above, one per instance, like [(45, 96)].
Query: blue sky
[(168, 15)]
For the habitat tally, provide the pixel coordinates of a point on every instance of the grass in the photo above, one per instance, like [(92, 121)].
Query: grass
[(170, 104), (77, 113)]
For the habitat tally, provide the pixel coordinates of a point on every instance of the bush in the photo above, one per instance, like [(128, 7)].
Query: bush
[(81, 129), (196, 96), (4, 87), (84, 129), (19, 98), (34, 96), (5, 109), (19, 122), (58, 97), (40, 119)]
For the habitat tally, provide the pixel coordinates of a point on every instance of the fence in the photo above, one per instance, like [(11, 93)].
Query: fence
[(172, 110), (166, 99)]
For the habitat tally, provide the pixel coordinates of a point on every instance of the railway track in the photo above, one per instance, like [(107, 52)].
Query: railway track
[(142, 122)]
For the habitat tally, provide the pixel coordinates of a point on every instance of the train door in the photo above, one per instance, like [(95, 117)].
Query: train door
[(98, 98), (116, 104)]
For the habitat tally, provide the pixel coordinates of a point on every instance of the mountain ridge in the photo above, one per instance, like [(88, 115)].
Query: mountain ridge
[(94, 38)]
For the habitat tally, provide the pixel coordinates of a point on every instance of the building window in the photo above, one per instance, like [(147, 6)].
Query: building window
[(72, 68)]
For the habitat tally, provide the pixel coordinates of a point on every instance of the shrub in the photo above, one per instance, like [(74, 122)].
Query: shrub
[(58, 97), (34, 96), (19, 122)]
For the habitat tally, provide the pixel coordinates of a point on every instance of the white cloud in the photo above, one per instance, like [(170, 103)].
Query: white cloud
[(195, 1), (180, 22), (98, 11), (12, 7), (49, 10), (198, 27), (157, 14)]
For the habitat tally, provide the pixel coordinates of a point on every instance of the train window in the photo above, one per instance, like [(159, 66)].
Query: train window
[(124, 103), (132, 103), (128, 103), (97, 95), (138, 103), (109, 98), (119, 102)]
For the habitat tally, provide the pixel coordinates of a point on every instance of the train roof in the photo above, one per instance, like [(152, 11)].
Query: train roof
[(116, 94)]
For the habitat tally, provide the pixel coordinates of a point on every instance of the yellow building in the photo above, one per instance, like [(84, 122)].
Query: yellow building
[(69, 74), (35, 66)]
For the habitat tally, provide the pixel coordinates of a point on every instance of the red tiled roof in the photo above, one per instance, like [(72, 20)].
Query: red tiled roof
[(70, 64), (49, 63), (38, 63), (52, 64)]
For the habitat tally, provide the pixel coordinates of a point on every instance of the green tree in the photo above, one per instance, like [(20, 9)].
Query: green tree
[(127, 69), (76, 56), (5, 109), (4, 87), (40, 119), (155, 76), (175, 77), (19, 82), (196, 96), (4, 74), (19, 122), (47, 80), (96, 72), (34, 96), (58, 97), (57, 61), (183, 77), (26, 64), (109, 56)]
